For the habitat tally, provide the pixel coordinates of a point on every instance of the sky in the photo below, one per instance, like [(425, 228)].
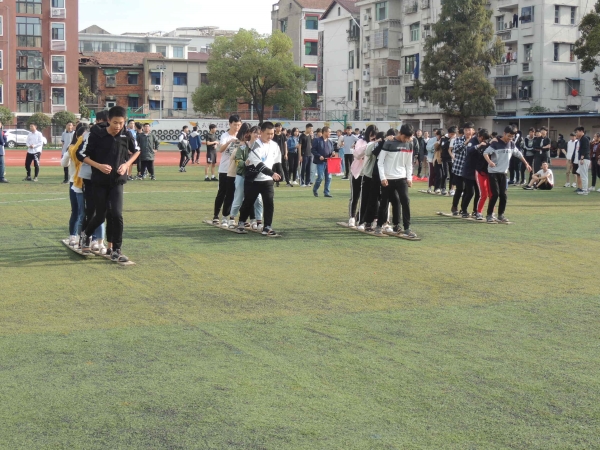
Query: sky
[(120, 16)]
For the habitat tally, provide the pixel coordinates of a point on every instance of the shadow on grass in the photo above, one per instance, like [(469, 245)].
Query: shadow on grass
[(42, 256)]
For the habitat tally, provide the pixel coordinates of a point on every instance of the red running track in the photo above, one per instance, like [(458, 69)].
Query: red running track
[(16, 158)]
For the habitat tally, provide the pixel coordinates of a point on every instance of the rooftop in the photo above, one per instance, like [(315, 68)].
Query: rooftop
[(116, 58), (314, 4), (348, 5)]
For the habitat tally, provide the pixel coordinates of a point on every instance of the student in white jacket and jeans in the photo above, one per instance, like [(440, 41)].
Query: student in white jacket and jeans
[(35, 142), (395, 170)]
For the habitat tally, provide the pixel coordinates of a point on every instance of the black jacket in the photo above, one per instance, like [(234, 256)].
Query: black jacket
[(584, 148), (103, 148)]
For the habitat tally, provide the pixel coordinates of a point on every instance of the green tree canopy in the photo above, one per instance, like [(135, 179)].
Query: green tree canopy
[(62, 118), (6, 116), (84, 93), (587, 47), (41, 120), (458, 56), (252, 68)]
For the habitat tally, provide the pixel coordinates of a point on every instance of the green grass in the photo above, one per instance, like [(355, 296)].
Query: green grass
[(476, 337)]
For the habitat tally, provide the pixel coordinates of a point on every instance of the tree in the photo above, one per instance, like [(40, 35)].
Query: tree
[(256, 69), (6, 116), (458, 55), (41, 120), (62, 118), (587, 47), (84, 93)]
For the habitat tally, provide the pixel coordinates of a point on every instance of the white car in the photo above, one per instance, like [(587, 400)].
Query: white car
[(17, 137)]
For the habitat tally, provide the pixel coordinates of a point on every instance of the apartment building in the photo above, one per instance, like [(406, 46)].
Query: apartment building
[(96, 39), (201, 38), (38, 70), (299, 19), (339, 62), (538, 68)]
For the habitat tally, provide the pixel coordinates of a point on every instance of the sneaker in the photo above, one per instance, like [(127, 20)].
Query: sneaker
[(528, 188), (503, 219), (452, 191), (511, 183), (152, 178), (231, 223), (315, 193), (592, 189), (388, 229), (107, 251), (65, 181), (240, 226), (95, 246), (583, 192), (479, 216), (378, 230), (35, 179), (139, 177), (102, 249), (443, 191), (73, 241), (117, 256), (310, 184), (224, 223), (429, 191), (268, 231), (328, 195), (85, 243), (180, 170), (490, 219), (295, 183), (254, 226), (409, 234), (455, 213), (289, 185), (206, 179), (466, 215), (130, 178), (344, 178), (214, 179), (303, 185), (3, 180), (352, 222), (396, 229), (437, 191), (215, 220), (361, 227), (574, 185), (578, 190)]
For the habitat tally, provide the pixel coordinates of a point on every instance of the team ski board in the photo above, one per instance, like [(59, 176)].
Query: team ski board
[(85, 255), (233, 230), (345, 225)]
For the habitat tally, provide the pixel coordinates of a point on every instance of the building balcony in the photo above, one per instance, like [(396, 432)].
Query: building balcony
[(411, 7), (506, 95), (353, 37), (506, 35)]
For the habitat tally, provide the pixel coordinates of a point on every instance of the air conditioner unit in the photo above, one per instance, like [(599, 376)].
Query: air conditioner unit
[(504, 59), (157, 87)]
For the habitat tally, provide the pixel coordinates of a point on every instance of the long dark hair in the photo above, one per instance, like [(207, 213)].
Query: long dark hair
[(369, 132), (244, 130), (78, 132)]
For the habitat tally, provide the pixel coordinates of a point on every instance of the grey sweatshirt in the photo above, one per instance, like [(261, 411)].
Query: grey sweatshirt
[(500, 153)]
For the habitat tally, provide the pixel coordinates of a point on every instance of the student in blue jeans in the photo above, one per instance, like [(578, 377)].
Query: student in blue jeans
[(322, 149)]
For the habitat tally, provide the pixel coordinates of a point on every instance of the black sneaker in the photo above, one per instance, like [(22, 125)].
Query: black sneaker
[(3, 180), (65, 181), (206, 179), (117, 256), (528, 188), (214, 179), (396, 228), (27, 178), (455, 213), (216, 220), (152, 178), (466, 215), (85, 243)]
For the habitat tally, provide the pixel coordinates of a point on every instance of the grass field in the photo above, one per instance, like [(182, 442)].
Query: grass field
[(478, 337)]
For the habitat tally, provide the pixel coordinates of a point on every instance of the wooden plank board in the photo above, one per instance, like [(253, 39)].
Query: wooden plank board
[(75, 250), (124, 264), (345, 225), (400, 236)]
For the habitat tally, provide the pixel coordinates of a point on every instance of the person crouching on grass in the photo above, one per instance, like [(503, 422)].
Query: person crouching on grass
[(543, 180), (110, 151), (395, 170), (498, 156), (260, 178)]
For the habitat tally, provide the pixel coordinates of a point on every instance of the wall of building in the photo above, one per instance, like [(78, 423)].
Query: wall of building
[(122, 90)]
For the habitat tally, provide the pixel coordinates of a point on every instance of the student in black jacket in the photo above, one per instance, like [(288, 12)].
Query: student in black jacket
[(110, 151)]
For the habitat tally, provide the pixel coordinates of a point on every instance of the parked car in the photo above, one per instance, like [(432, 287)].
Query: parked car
[(17, 137)]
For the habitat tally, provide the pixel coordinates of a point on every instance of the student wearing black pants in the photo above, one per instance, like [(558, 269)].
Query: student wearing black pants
[(355, 192), (498, 188), (225, 195), (441, 173), (348, 160), (252, 189), (110, 151), (396, 193)]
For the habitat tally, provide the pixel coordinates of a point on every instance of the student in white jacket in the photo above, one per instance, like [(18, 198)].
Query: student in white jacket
[(35, 142), (395, 171)]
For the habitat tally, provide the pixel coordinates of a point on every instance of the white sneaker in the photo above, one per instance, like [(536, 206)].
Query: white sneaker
[(295, 183), (73, 240), (361, 227), (574, 185), (102, 249), (95, 246), (437, 191), (567, 184), (254, 226), (352, 222), (592, 189), (232, 223), (224, 223), (451, 191), (388, 229)]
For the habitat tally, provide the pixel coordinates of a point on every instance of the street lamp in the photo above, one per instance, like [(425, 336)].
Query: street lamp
[(161, 68)]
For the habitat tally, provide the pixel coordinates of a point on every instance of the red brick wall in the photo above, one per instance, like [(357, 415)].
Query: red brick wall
[(122, 90)]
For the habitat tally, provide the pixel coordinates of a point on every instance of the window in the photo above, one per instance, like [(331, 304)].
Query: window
[(58, 3), (29, 97), (29, 6), (573, 11), (133, 102), (381, 10), (29, 65), (179, 79), (203, 78), (132, 78), (312, 23), (29, 32), (162, 49), (556, 14), (556, 51), (339, 11), (155, 104), (414, 31), (558, 89), (379, 96), (528, 52), (1, 59), (58, 96), (573, 84), (381, 38), (527, 14), (1, 25), (351, 59), (350, 91), (58, 31), (572, 52), (58, 64), (177, 52), (111, 80), (408, 94), (499, 23), (310, 48), (180, 103), (313, 101), (283, 25), (506, 87), (409, 64), (1, 94), (155, 78), (313, 73), (525, 92)]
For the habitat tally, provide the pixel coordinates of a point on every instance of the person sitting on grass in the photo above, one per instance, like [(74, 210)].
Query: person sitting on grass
[(543, 179)]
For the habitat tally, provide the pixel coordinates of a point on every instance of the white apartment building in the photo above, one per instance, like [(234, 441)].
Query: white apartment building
[(200, 38), (96, 39), (299, 19), (338, 71), (538, 67)]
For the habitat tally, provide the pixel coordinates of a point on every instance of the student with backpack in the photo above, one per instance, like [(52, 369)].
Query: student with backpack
[(183, 144)]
